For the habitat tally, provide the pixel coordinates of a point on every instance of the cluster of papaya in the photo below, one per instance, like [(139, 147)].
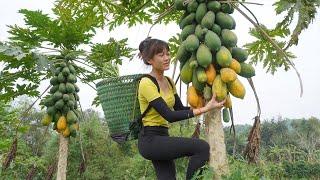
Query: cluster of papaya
[(61, 103), (208, 53)]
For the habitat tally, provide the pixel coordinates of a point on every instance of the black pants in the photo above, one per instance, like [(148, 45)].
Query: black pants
[(155, 144)]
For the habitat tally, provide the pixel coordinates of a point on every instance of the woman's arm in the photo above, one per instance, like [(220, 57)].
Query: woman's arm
[(178, 104)]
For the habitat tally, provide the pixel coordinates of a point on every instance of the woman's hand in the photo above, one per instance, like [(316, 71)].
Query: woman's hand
[(213, 103)]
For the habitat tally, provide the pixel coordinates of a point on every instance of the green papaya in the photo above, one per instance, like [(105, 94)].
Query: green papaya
[(182, 54), (191, 43), (76, 88), (48, 102), (228, 38), (65, 109), (239, 54), (216, 29), (225, 21), (212, 41), (186, 31), (224, 57), (204, 56), (65, 97), (201, 74), (57, 71), (225, 115), (208, 20), (72, 69), (227, 8), (65, 71), (192, 6), (56, 96), (72, 78), (70, 88), (179, 5), (62, 88), (71, 117), (54, 81), (214, 6), (61, 78), (51, 110), (201, 12), (195, 83), (54, 89), (187, 20), (186, 71), (200, 32), (247, 70), (59, 104)]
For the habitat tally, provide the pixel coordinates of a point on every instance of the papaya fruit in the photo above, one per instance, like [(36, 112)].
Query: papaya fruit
[(56, 96), (182, 54), (201, 12), (211, 74), (225, 21), (227, 8), (72, 69), (228, 38), (228, 75), (62, 123), (61, 78), (76, 88), (66, 132), (235, 65), (54, 81), (224, 57), (216, 29), (212, 41), (239, 54), (70, 88), (187, 20), (204, 56), (46, 120), (191, 43), (214, 6), (65, 71), (71, 78), (62, 88), (192, 6), (59, 104), (186, 71), (237, 89), (192, 96), (225, 115), (208, 20), (200, 102), (71, 117), (247, 70), (186, 31), (54, 89), (195, 82), (200, 32), (201, 74), (179, 5), (219, 88)]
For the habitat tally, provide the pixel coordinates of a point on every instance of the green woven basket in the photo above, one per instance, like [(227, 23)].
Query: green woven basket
[(119, 103)]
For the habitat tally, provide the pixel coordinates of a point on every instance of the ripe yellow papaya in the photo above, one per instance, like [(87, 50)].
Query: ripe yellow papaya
[(219, 88), (192, 96), (228, 75), (62, 123), (66, 132), (200, 102), (235, 65), (211, 74), (237, 89)]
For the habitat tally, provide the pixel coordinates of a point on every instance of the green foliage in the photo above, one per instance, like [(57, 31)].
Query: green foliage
[(263, 51), (302, 10)]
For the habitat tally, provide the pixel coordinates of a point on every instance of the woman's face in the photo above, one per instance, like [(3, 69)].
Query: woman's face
[(161, 61)]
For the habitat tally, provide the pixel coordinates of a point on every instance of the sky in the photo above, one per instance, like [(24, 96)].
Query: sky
[(279, 94)]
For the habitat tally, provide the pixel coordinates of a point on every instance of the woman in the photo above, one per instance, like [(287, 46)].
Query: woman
[(154, 142)]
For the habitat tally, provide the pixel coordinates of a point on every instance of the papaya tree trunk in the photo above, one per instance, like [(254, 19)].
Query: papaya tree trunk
[(63, 156), (218, 155)]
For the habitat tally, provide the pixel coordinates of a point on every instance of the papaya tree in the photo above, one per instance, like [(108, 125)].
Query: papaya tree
[(53, 51)]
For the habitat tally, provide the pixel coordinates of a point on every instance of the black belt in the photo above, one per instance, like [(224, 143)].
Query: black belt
[(155, 130)]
